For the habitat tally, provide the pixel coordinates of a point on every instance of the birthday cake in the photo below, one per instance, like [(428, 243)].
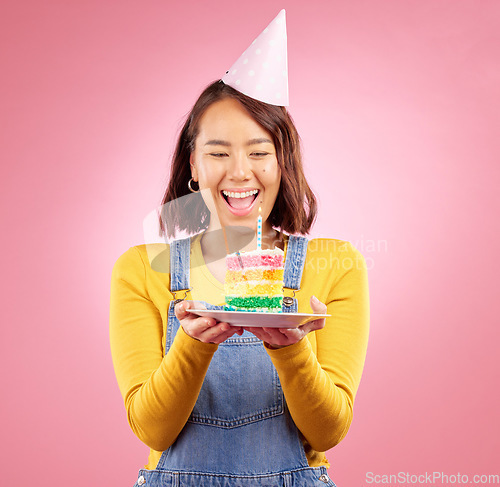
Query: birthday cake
[(254, 281)]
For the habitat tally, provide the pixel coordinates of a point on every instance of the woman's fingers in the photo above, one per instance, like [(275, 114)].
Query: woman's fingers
[(260, 333), (293, 334), (224, 334), (204, 329), (194, 325), (218, 333), (283, 336), (317, 306), (181, 309)]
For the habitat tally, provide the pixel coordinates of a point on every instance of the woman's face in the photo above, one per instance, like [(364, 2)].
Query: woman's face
[(235, 158)]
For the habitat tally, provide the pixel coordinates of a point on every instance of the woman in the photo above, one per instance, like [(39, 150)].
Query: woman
[(218, 404)]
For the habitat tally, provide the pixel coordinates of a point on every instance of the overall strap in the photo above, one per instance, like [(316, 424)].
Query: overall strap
[(179, 264), (294, 262)]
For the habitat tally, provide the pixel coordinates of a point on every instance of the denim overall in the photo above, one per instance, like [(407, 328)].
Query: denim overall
[(240, 432)]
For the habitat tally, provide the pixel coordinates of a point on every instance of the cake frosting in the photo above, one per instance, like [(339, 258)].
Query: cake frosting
[(254, 281)]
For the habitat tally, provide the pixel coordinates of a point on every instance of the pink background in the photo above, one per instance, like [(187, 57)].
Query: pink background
[(398, 105)]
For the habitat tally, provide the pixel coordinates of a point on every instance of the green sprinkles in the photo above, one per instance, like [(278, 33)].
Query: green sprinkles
[(254, 302)]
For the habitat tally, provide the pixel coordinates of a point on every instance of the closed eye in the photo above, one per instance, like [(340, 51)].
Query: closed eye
[(260, 154), (218, 154)]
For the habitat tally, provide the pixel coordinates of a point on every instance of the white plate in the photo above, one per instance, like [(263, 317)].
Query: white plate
[(249, 318)]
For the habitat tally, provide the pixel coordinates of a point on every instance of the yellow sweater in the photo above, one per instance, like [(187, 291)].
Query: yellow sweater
[(319, 375)]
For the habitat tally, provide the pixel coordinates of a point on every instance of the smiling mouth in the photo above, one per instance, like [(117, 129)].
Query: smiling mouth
[(240, 200)]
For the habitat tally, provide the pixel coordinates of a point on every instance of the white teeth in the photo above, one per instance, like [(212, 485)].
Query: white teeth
[(244, 194)]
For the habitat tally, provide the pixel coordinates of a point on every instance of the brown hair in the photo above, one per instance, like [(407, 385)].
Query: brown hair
[(295, 207)]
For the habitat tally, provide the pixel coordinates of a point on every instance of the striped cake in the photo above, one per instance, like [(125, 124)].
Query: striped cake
[(254, 281)]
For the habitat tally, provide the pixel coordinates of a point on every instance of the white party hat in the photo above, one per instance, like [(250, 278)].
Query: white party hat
[(261, 72)]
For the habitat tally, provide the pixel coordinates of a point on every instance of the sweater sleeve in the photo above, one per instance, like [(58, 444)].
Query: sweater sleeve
[(159, 391), (320, 386)]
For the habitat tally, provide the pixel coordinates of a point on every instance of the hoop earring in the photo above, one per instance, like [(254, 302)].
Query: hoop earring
[(191, 188)]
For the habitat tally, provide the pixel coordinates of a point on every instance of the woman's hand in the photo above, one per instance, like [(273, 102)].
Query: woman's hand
[(204, 329), (282, 337)]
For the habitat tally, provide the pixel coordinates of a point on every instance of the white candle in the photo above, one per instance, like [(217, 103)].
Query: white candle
[(259, 231)]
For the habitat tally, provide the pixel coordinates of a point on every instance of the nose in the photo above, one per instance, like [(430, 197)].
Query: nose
[(239, 167)]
